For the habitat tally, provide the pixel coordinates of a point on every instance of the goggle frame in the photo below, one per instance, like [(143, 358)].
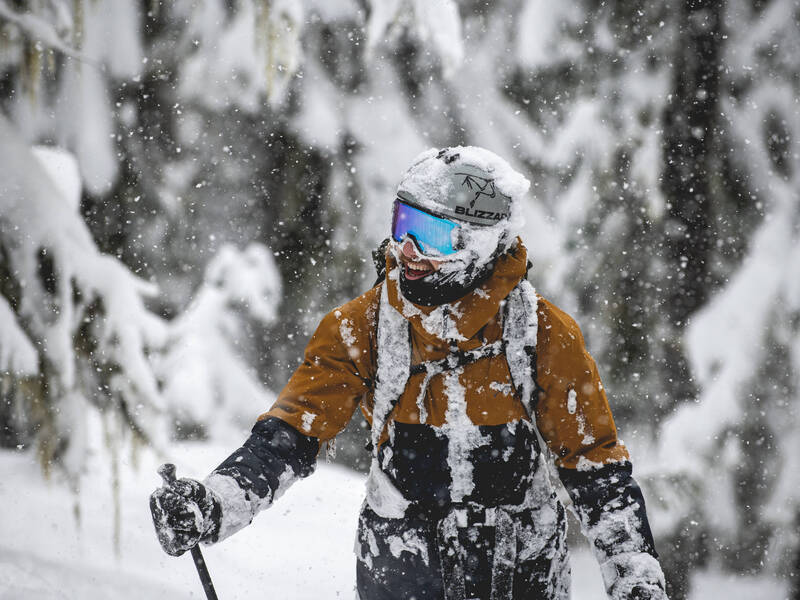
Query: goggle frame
[(428, 230)]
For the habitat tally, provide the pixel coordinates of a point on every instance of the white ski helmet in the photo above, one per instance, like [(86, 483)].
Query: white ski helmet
[(464, 183)]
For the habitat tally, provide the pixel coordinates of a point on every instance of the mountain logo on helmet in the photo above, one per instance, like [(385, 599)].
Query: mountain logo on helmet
[(479, 185), (464, 184)]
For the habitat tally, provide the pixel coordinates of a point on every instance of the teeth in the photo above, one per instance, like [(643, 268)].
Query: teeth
[(418, 266)]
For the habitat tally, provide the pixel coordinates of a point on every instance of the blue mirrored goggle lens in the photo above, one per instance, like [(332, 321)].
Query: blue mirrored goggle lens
[(431, 233)]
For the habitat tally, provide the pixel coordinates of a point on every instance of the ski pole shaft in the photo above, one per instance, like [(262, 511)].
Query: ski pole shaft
[(167, 472), (202, 571)]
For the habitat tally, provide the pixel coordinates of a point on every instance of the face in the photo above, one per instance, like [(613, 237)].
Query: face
[(414, 264), (425, 243)]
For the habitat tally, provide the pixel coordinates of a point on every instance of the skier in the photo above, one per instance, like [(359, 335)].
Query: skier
[(462, 370)]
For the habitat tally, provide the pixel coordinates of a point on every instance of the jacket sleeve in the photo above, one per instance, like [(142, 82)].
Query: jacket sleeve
[(575, 420), (336, 372), (249, 480), (315, 405), (572, 411), (610, 507)]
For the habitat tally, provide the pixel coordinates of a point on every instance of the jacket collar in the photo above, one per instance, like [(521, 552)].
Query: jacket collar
[(461, 320)]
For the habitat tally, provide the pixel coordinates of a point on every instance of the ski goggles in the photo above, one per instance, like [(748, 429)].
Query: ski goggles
[(432, 234)]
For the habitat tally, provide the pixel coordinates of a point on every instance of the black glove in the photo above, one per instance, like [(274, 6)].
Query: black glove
[(185, 513), (634, 576), (648, 591)]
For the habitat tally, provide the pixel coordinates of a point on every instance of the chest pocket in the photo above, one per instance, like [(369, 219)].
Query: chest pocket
[(502, 468)]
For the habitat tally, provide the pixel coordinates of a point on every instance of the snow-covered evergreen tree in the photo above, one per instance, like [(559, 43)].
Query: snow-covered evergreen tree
[(76, 331), (77, 334), (739, 440), (208, 385)]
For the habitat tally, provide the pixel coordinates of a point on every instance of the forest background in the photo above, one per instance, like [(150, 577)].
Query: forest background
[(186, 187)]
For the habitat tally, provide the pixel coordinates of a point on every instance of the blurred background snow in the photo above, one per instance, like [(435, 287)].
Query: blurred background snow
[(187, 186)]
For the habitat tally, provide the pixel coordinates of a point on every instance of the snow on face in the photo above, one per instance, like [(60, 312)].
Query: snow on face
[(441, 322), (478, 246)]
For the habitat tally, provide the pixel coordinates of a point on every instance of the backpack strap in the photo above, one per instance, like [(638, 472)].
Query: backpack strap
[(457, 358), (520, 327), (379, 260), (394, 363)]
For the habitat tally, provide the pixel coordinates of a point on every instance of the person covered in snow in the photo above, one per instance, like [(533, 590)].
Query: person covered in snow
[(462, 370)]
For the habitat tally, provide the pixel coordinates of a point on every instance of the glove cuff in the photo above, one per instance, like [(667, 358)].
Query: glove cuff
[(236, 507)]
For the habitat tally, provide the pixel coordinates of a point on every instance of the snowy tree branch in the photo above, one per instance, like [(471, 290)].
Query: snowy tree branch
[(42, 31)]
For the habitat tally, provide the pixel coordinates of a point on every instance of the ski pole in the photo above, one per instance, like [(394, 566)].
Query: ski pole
[(167, 472)]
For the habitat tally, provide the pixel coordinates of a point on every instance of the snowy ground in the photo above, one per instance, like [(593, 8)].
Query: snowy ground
[(299, 549)]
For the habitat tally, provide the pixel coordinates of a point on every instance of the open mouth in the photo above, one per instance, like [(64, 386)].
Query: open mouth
[(416, 270)]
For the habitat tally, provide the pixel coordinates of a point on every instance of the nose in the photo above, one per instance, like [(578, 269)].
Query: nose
[(409, 250)]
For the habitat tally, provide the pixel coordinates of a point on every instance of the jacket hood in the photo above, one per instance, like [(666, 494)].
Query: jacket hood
[(462, 319)]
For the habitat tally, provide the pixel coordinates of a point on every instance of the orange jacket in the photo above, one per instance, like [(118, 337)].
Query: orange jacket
[(340, 363)]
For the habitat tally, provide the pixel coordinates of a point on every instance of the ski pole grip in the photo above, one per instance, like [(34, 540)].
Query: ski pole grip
[(169, 477), (167, 472)]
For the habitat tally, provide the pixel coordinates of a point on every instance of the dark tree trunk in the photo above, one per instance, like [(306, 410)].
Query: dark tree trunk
[(690, 128), (690, 166), (795, 575)]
